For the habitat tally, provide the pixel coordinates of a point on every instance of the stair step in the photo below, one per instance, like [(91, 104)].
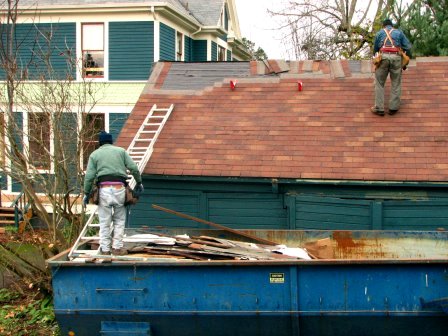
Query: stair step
[(7, 222)]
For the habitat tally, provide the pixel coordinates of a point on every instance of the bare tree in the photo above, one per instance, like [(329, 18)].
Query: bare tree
[(44, 115), (326, 29)]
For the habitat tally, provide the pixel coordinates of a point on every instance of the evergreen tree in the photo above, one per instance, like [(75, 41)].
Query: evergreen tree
[(255, 54), (427, 27)]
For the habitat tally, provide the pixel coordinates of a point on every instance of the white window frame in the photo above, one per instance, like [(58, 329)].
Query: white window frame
[(79, 75), (26, 141)]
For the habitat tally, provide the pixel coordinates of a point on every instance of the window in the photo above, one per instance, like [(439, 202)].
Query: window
[(179, 46), (221, 53), (93, 50), (39, 140), (93, 123), (2, 140)]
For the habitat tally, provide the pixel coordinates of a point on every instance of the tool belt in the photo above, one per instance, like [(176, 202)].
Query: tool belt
[(390, 50)]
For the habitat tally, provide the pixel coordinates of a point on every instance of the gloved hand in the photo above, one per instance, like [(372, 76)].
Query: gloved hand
[(85, 200), (139, 189)]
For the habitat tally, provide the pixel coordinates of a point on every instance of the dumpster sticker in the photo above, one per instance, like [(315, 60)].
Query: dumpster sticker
[(277, 277)]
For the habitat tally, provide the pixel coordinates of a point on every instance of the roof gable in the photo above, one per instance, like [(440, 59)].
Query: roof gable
[(266, 127)]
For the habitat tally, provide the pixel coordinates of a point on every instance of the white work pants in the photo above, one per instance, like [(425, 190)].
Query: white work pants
[(111, 209)]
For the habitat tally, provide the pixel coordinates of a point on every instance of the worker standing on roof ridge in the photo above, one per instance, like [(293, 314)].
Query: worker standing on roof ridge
[(108, 166), (389, 42)]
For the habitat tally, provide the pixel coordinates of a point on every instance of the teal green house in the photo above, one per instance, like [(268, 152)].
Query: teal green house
[(293, 145), (114, 45)]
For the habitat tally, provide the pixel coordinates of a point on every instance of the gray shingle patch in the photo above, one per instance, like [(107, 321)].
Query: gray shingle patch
[(197, 76)]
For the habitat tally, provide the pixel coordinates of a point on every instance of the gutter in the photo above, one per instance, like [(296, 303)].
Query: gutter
[(299, 181)]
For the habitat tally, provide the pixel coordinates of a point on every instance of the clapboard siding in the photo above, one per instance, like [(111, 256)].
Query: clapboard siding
[(257, 206), (187, 202), (131, 50), (214, 51), (167, 43), (418, 215), (250, 211), (332, 213), (33, 49), (188, 49), (116, 122), (199, 50)]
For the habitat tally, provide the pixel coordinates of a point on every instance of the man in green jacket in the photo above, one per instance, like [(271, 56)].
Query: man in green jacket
[(108, 166)]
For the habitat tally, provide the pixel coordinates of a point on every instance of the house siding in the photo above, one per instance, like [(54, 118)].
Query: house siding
[(293, 206), (33, 49), (116, 123), (167, 43), (214, 51), (199, 50), (188, 49), (131, 50)]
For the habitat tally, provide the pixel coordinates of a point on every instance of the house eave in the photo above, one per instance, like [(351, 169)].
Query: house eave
[(238, 47), (152, 9), (428, 184)]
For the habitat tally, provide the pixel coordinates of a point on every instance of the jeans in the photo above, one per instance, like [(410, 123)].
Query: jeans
[(390, 64), (111, 209)]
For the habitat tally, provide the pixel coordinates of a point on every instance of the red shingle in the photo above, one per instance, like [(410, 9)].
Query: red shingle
[(267, 128)]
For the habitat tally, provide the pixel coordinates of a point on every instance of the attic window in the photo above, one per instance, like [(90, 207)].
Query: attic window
[(93, 50)]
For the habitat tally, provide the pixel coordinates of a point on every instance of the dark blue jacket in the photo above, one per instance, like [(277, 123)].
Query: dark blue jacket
[(400, 40)]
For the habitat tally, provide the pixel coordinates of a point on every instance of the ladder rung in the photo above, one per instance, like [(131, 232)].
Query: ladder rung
[(144, 140), (153, 124), (148, 132), (161, 109), (90, 238), (156, 117), (94, 225), (85, 251)]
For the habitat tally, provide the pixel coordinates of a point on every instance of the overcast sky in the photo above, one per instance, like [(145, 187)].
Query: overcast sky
[(257, 26)]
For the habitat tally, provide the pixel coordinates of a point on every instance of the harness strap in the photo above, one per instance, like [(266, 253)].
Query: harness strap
[(388, 38)]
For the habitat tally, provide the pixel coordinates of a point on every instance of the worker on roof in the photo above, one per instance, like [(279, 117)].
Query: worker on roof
[(108, 166), (389, 42)]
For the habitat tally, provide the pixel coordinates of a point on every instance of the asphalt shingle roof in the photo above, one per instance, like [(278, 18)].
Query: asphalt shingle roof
[(266, 127), (206, 12)]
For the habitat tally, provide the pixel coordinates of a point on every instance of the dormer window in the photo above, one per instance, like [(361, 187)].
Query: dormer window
[(93, 50)]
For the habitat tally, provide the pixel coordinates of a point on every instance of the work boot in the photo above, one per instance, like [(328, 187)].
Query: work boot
[(374, 110), (101, 252), (392, 112), (119, 252)]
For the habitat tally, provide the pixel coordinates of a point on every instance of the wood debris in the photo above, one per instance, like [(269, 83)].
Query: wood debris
[(151, 246)]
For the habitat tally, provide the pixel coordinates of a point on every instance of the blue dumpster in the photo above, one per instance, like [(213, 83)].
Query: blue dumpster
[(377, 283)]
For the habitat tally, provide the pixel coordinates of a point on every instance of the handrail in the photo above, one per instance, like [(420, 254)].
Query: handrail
[(20, 205)]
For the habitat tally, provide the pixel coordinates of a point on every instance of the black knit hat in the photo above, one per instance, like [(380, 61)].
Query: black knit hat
[(387, 22), (104, 138)]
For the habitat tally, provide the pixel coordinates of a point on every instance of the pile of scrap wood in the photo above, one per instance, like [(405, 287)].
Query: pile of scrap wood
[(147, 246)]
